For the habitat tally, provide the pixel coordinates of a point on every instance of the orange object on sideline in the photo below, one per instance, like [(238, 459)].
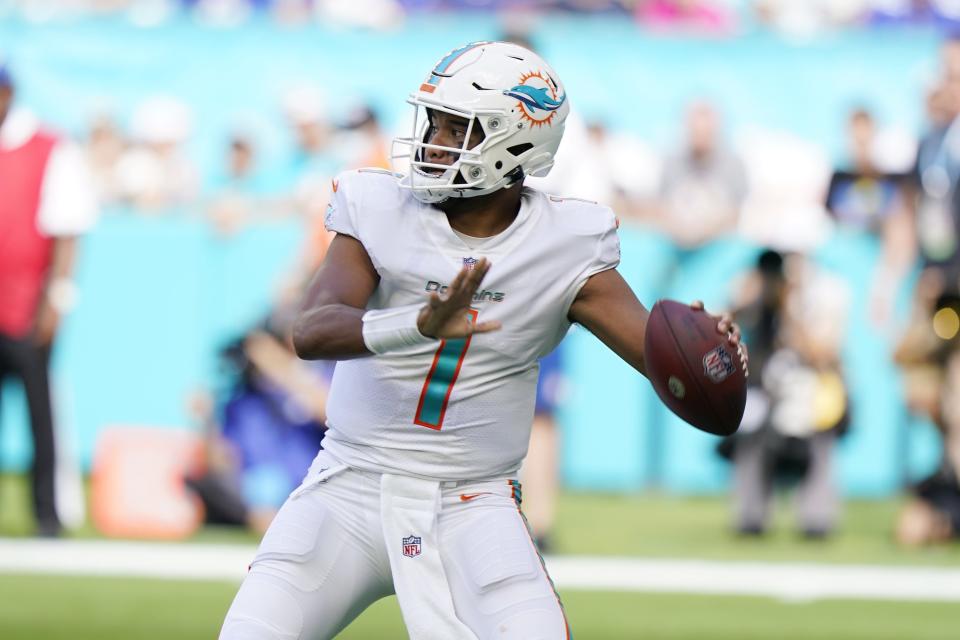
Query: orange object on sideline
[(138, 488)]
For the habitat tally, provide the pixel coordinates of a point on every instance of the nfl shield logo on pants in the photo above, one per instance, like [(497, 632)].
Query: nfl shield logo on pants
[(411, 546)]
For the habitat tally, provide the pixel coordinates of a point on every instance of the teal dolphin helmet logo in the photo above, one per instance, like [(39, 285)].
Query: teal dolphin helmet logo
[(537, 98)]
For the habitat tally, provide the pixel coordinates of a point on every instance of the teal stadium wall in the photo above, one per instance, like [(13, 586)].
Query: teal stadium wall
[(161, 294)]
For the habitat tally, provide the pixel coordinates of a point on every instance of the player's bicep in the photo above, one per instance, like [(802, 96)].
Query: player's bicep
[(609, 309), (346, 276), (330, 324)]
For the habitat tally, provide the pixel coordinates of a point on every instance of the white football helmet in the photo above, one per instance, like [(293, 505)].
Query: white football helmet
[(507, 91)]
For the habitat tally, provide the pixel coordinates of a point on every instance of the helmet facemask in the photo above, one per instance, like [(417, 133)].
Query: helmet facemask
[(469, 175)]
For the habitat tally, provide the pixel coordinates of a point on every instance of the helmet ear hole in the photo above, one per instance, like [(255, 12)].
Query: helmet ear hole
[(498, 165)]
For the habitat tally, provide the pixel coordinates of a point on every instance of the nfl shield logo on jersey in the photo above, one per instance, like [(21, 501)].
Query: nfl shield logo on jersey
[(470, 263), (718, 364), (411, 546)]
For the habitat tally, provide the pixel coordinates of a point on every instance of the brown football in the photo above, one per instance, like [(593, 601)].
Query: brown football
[(693, 368)]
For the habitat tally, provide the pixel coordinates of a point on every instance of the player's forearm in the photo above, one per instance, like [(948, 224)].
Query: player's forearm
[(629, 347), (330, 332), (619, 324), (608, 308)]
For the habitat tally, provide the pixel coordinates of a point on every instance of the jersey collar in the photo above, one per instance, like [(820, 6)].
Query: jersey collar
[(443, 236)]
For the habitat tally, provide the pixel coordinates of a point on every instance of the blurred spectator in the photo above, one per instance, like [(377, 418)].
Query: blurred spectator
[(864, 198), (48, 199), (362, 144), (313, 161), (615, 169), (625, 171), (363, 139), (372, 14), (239, 189), (703, 184), (225, 13), (932, 515), (927, 352), (937, 229), (271, 428), (808, 17), (935, 177), (950, 59), (291, 12), (156, 173), (793, 315), (241, 163), (929, 356), (861, 195), (788, 176), (106, 144), (942, 13)]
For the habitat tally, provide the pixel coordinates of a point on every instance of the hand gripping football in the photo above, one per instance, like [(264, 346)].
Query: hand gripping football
[(693, 368)]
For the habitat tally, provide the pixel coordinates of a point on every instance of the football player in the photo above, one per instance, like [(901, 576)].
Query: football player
[(439, 292)]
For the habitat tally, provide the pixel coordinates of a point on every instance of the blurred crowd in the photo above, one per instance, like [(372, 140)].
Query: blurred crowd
[(146, 168), (716, 17)]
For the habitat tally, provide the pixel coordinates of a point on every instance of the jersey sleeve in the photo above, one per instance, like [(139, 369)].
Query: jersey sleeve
[(341, 215), (606, 247), (596, 230), (591, 230)]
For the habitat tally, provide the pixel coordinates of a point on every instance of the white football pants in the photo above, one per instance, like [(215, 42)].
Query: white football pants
[(325, 559)]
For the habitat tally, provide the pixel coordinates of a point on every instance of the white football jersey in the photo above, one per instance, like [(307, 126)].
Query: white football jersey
[(458, 409)]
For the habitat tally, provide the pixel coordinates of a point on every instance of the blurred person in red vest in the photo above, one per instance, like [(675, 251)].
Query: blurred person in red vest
[(46, 201)]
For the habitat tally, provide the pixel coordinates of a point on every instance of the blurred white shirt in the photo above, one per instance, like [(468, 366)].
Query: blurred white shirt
[(598, 171), (68, 200)]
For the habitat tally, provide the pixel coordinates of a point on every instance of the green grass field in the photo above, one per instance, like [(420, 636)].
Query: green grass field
[(648, 525), (58, 608), (80, 608)]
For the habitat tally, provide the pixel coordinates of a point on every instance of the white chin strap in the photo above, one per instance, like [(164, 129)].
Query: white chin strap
[(434, 189), (423, 185)]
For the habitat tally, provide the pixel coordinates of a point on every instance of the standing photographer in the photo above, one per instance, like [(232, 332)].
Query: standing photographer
[(794, 315)]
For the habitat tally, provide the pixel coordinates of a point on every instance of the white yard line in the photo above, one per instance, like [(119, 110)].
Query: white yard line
[(789, 581), (129, 559)]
